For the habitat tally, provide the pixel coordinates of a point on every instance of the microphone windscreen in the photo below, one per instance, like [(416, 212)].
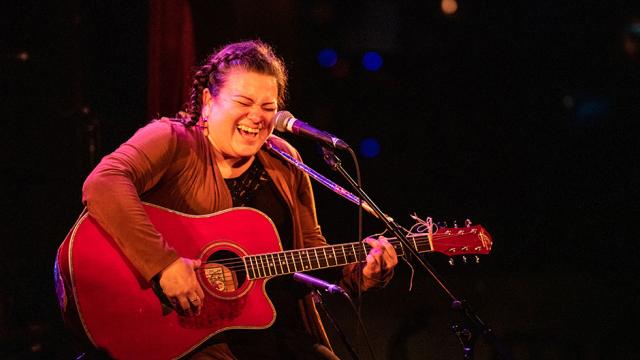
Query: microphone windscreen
[(281, 119)]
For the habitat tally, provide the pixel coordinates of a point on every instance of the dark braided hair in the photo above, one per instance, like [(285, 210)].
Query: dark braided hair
[(251, 55)]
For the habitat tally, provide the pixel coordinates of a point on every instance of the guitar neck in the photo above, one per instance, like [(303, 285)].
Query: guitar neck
[(291, 261)]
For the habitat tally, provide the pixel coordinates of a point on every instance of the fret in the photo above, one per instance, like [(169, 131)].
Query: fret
[(344, 256), (301, 260), (364, 252), (415, 245), (293, 261), (335, 258), (297, 260), (261, 272), (267, 263), (281, 263), (249, 269), (257, 268), (270, 264), (315, 259), (308, 266), (425, 244), (286, 261), (348, 251), (324, 256), (276, 262), (273, 264), (353, 248), (264, 269), (254, 265), (399, 248)]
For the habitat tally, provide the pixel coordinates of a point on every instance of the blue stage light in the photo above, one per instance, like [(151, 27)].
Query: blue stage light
[(369, 148), (372, 61), (327, 58)]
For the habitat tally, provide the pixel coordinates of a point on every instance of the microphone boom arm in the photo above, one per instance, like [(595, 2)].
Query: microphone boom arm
[(324, 181)]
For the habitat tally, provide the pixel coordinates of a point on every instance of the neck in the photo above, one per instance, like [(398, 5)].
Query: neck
[(231, 166)]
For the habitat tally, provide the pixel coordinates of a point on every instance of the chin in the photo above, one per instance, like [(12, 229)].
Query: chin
[(247, 151)]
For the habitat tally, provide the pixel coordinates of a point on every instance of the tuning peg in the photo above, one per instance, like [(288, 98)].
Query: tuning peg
[(477, 259), (451, 262), (455, 224), (467, 223), (464, 259)]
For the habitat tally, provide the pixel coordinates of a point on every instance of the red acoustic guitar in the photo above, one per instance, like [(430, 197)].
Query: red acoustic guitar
[(240, 250)]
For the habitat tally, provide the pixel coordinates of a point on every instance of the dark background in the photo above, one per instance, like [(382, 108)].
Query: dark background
[(519, 116)]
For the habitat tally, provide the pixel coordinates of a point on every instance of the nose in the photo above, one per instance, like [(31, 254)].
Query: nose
[(256, 114)]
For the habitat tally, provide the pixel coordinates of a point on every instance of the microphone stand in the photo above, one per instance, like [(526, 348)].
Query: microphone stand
[(317, 299), (465, 334)]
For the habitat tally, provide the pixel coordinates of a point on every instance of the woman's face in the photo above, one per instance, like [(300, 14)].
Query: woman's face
[(240, 117)]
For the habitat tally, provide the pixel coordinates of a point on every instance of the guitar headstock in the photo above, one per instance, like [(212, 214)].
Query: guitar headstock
[(452, 242), (467, 240)]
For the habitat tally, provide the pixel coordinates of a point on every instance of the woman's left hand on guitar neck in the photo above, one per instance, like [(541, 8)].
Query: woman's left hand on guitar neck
[(381, 260)]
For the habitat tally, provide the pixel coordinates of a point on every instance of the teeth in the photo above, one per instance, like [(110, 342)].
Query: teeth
[(248, 129)]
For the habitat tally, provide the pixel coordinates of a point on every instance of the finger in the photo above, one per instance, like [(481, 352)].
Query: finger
[(372, 242), (184, 304), (389, 256), (371, 267), (388, 247), (199, 291), (196, 303), (373, 260), (196, 263)]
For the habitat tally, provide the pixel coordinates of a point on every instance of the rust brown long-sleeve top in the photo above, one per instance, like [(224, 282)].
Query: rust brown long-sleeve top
[(171, 165)]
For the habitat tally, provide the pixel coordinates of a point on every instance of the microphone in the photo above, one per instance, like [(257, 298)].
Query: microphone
[(285, 122), (317, 283)]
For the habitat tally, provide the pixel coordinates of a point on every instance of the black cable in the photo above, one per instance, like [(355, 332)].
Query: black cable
[(319, 300), (361, 323), (357, 309), (359, 181)]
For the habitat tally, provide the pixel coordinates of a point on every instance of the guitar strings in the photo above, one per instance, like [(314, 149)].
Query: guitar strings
[(339, 249), (267, 262)]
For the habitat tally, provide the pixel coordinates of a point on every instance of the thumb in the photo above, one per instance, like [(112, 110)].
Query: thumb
[(196, 263)]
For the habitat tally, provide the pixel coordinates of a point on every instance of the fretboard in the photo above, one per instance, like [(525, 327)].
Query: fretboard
[(291, 261)]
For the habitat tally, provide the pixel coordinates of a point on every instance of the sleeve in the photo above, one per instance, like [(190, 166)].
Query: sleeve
[(112, 191)]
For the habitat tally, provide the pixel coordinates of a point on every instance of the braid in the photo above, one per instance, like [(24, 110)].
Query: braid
[(200, 82), (249, 55)]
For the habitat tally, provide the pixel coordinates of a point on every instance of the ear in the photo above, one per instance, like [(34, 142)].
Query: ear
[(206, 97)]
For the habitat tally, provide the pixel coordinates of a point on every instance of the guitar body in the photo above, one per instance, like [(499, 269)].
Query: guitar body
[(105, 300), (120, 312)]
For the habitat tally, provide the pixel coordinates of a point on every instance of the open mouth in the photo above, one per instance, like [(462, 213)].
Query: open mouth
[(248, 131)]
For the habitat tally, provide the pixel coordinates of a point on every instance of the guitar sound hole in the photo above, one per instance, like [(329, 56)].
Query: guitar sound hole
[(224, 270)]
